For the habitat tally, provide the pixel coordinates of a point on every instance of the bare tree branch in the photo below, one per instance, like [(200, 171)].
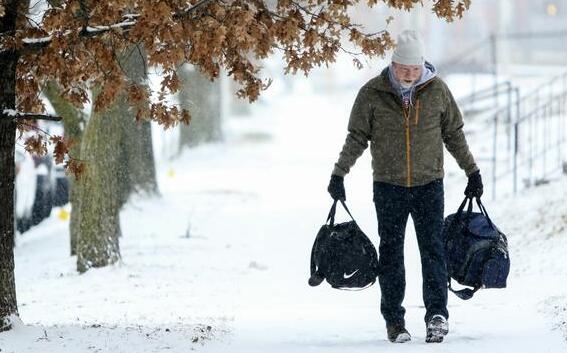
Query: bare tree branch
[(12, 114), (31, 45)]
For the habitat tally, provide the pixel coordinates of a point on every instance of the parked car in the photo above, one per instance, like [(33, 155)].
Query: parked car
[(45, 189), (60, 191), (40, 186), (25, 189), (61, 196)]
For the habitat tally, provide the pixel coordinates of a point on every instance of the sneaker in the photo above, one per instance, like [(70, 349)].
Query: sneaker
[(398, 334), (436, 329)]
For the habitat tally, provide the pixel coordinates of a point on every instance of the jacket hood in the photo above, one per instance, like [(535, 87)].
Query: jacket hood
[(383, 82)]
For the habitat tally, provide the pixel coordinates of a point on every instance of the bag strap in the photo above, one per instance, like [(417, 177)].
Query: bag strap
[(485, 213), (464, 294), (462, 207), (312, 265), (332, 211), (331, 216), (480, 205), (356, 289)]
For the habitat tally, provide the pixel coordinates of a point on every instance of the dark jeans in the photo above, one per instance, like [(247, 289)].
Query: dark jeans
[(393, 206)]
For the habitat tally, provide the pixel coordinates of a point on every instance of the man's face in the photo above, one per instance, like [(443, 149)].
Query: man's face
[(407, 75)]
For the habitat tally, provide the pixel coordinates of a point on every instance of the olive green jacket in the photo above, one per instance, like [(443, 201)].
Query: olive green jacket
[(406, 143)]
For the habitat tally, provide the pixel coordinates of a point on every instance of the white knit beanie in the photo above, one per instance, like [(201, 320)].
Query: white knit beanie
[(409, 49)]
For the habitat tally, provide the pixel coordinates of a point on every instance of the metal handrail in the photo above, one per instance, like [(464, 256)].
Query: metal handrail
[(486, 93), (544, 109)]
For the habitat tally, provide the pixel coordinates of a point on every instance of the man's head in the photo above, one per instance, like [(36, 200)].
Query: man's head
[(407, 75), (407, 60)]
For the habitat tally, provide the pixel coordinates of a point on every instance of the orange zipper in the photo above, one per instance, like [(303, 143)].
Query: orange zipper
[(416, 112), (408, 145), (408, 135)]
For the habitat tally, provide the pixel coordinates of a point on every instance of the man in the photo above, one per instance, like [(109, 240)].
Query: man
[(408, 114)]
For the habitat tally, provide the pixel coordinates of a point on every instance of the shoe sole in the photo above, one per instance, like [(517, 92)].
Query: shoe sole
[(436, 335), (402, 338)]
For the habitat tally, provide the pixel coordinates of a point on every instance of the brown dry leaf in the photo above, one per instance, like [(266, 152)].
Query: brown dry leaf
[(36, 145), (232, 35), (75, 168), (61, 148)]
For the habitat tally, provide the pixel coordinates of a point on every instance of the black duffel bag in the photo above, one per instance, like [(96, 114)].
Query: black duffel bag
[(476, 250), (343, 255)]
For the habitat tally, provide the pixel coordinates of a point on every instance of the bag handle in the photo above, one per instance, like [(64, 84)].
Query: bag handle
[(469, 209), (485, 213), (464, 294), (331, 216), (462, 207)]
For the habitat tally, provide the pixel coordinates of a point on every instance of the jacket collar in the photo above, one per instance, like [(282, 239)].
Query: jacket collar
[(382, 82)]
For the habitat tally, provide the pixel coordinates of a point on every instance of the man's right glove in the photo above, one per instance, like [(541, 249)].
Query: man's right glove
[(337, 188), (474, 186)]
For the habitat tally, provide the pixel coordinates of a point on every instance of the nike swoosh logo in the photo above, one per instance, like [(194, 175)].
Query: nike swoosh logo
[(349, 276)]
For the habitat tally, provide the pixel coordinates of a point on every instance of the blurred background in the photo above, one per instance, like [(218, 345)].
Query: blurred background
[(216, 219), (505, 62)]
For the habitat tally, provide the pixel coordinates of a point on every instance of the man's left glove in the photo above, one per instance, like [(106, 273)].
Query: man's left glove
[(474, 186), (337, 188)]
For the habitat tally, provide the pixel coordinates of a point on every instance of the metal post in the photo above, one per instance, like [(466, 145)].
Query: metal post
[(517, 135), (549, 126), (534, 138), (494, 149), (494, 62), (558, 118), (562, 118), (544, 142), (560, 127), (516, 157), (509, 111), (562, 96)]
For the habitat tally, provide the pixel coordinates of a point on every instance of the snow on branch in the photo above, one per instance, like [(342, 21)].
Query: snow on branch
[(13, 114), (129, 20), (100, 29), (191, 9)]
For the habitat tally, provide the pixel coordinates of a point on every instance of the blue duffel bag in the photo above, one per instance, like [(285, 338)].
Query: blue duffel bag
[(476, 250)]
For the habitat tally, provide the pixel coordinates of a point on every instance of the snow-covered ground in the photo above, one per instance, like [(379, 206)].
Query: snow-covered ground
[(220, 262)]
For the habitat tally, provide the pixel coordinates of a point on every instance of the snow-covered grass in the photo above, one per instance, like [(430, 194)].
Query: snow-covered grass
[(220, 262)]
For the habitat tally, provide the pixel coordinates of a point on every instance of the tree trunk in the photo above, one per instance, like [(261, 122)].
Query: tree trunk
[(136, 149), (202, 98), (72, 120), (119, 157), (99, 220), (8, 304), (8, 62), (138, 156)]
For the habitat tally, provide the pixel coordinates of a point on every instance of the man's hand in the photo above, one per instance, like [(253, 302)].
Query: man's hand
[(337, 188), (474, 186)]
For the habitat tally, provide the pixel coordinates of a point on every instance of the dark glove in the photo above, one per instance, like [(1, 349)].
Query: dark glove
[(474, 186), (337, 188)]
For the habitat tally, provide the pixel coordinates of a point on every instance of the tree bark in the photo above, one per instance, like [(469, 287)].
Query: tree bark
[(8, 62), (99, 220), (137, 148), (138, 157), (119, 156), (72, 120), (202, 98)]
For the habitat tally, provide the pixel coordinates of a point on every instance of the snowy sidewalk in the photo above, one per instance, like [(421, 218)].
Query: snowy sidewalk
[(222, 259)]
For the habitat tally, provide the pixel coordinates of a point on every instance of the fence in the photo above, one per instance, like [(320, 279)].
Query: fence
[(530, 149)]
